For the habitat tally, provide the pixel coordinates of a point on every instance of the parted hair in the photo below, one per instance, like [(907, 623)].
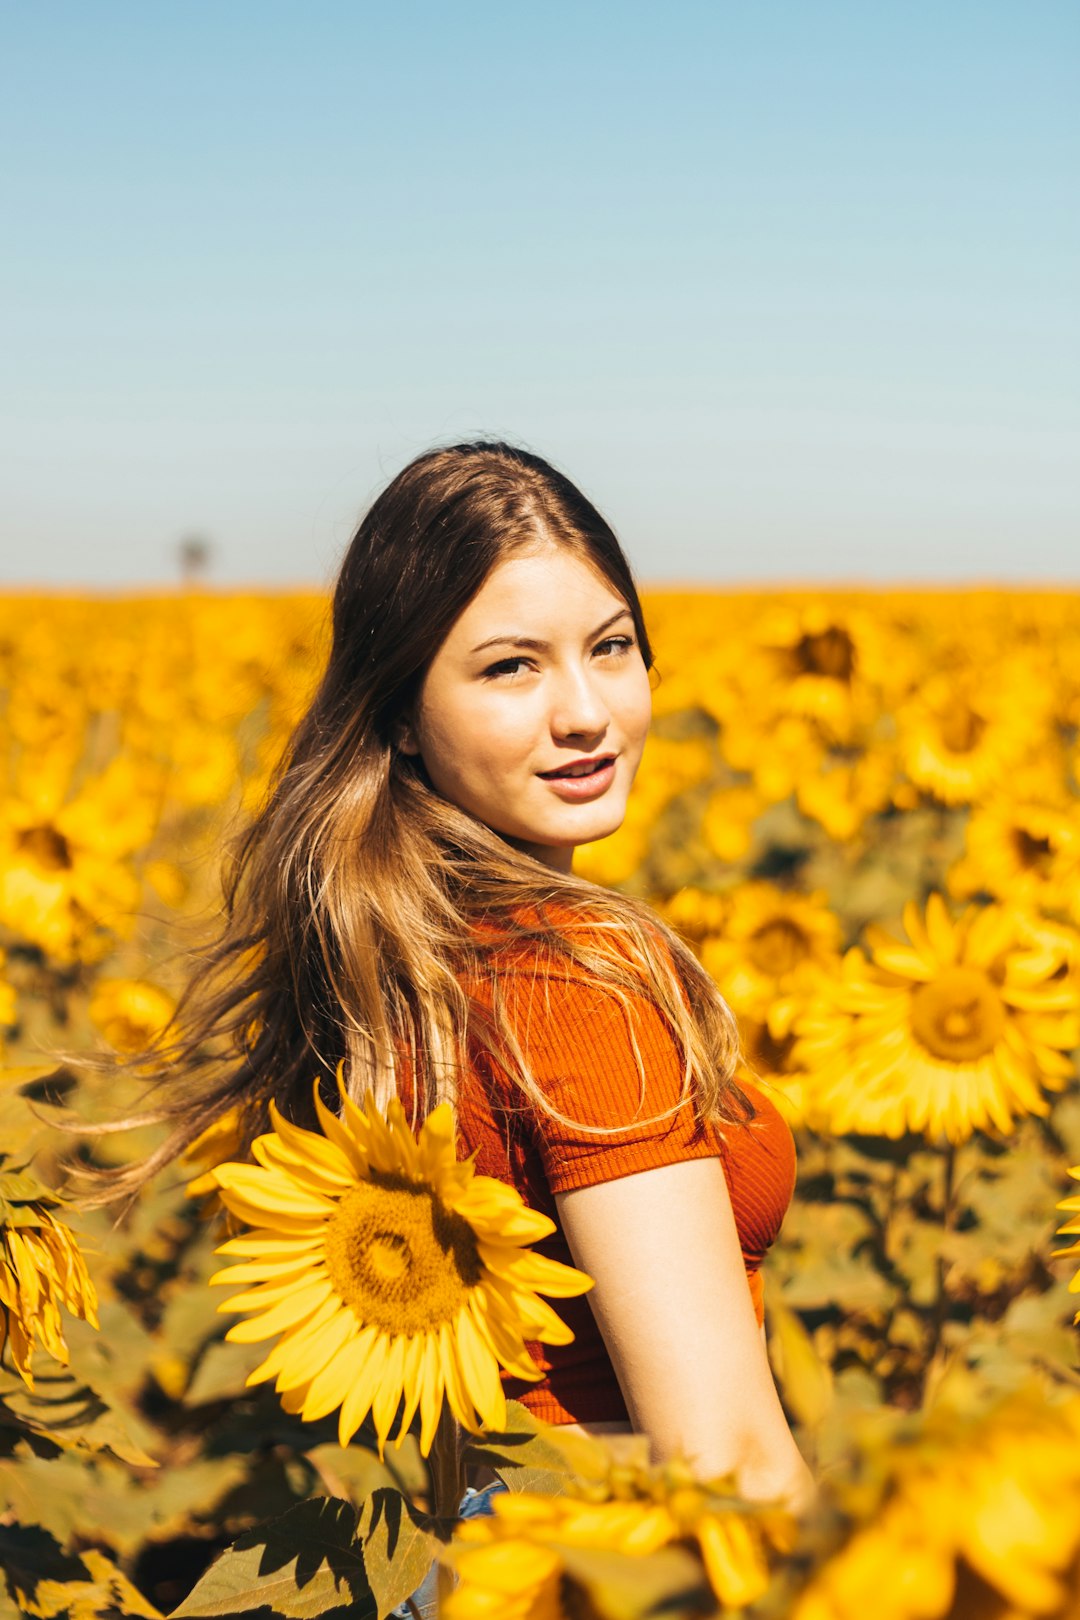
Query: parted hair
[(358, 902)]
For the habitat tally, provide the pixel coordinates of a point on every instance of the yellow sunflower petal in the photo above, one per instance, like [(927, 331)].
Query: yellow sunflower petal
[(480, 1372), (288, 1313), (357, 1402)]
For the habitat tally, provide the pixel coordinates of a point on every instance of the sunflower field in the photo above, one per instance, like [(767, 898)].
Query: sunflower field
[(862, 810)]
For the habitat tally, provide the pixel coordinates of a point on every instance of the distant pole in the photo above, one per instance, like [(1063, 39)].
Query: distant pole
[(193, 555)]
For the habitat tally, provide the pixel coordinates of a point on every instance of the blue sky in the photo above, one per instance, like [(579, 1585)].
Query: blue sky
[(788, 288)]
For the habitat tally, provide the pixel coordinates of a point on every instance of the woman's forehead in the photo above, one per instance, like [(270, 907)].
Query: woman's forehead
[(539, 594)]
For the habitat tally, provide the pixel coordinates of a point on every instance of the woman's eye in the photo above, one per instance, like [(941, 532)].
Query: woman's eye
[(506, 666), (616, 645)]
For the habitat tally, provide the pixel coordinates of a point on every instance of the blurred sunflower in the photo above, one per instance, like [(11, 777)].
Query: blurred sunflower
[(766, 1061), (1071, 1229), (519, 1560), (8, 1013), (777, 752), (958, 738), (977, 1517), (41, 1269), (844, 791), (129, 1012), (823, 660), (1023, 850), (952, 1033), (774, 949), (216, 1145), (668, 767), (392, 1272), (694, 913), (66, 879), (728, 822)]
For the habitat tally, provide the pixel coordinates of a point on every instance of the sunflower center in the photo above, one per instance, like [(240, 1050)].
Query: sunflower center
[(399, 1257), (962, 729), (777, 947), (1034, 854), (958, 1016), (47, 847), (829, 652), (770, 1053)]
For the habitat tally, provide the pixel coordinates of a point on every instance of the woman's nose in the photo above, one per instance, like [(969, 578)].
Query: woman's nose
[(579, 708)]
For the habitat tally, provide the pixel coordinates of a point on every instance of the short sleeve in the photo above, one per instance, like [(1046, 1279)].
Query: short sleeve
[(579, 1040)]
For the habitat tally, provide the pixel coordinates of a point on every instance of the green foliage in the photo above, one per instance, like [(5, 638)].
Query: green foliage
[(41, 1579), (398, 1548), (305, 1563)]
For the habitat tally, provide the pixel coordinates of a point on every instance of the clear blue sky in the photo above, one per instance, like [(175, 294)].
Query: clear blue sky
[(789, 287)]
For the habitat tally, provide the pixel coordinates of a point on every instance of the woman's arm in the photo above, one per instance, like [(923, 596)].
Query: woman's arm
[(672, 1302)]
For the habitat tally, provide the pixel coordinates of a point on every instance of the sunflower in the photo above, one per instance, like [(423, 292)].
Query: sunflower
[(694, 913), (952, 1033), (41, 1268), (959, 739), (728, 823), (1023, 850), (845, 790), (777, 752), (518, 1561), (212, 1148), (824, 661), (1071, 1229), (765, 1058), (129, 1012), (977, 1517), (669, 766), (66, 878), (393, 1273), (8, 1014), (775, 946)]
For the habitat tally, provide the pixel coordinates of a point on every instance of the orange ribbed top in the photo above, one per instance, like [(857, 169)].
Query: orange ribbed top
[(577, 1041)]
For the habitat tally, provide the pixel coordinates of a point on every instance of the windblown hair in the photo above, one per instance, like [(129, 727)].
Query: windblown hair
[(359, 902)]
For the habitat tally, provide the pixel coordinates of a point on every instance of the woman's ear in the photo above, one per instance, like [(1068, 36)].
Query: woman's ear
[(405, 738)]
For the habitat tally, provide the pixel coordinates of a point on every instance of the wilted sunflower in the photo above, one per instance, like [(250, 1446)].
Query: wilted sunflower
[(520, 1562), (392, 1272), (41, 1268), (952, 1033)]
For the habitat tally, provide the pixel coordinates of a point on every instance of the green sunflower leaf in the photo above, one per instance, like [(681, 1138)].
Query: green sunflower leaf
[(399, 1548), (304, 1564)]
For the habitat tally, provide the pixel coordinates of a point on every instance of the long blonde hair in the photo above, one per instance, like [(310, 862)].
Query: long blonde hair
[(358, 903)]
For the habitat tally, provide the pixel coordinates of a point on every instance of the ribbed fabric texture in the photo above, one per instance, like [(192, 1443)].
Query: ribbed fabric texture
[(579, 1042)]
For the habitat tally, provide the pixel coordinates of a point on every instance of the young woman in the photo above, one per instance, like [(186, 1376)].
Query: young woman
[(406, 902)]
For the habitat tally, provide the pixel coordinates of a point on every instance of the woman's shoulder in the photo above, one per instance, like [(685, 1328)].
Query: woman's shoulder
[(584, 933)]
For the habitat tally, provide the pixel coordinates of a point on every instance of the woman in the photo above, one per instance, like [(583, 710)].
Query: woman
[(406, 902)]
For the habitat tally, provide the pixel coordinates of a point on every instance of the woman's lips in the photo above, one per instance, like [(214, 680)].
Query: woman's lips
[(578, 788), (582, 766)]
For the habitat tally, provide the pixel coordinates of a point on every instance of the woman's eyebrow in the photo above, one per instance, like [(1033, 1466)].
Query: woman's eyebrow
[(544, 646)]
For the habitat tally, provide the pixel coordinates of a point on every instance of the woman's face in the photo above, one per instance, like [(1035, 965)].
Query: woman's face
[(542, 670)]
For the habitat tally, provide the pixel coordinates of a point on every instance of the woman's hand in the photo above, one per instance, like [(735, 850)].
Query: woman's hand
[(672, 1302)]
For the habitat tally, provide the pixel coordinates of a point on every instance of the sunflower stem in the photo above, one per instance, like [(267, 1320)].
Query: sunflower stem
[(447, 1488), (447, 1470)]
